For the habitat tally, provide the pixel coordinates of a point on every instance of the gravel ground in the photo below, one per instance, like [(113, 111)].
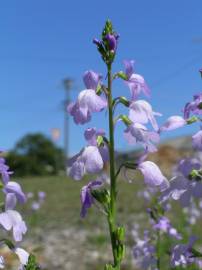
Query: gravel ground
[(71, 249)]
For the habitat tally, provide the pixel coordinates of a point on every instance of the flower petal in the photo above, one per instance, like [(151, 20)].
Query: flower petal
[(6, 221), (92, 159), (172, 123), (22, 255), (152, 174), (88, 99), (91, 79)]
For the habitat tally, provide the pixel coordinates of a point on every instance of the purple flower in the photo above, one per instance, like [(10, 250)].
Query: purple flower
[(22, 254), (89, 160), (183, 190), (137, 133), (41, 195), (91, 135), (153, 177), (78, 114), (164, 226), (193, 107), (182, 254), (4, 171), (172, 123), (11, 219), (144, 253), (15, 188), (86, 198), (35, 206), (88, 101), (141, 112), (186, 165), (135, 82), (91, 79), (197, 140)]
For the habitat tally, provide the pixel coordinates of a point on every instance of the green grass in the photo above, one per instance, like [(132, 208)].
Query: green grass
[(62, 204)]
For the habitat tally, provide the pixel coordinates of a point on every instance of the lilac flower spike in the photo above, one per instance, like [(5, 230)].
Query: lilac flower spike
[(141, 112), (135, 82), (88, 101), (86, 198), (197, 140), (137, 133), (153, 177), (11, 219), (172, 123)]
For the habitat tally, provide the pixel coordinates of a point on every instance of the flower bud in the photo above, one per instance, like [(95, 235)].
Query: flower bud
[(112, 42), (97, 42)]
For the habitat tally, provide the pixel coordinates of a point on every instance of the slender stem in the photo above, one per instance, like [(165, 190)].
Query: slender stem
[(158, 263), (112, 212)]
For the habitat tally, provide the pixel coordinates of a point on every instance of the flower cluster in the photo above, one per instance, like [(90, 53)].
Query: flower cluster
[(92, 157), (185, 186), (10, 219)]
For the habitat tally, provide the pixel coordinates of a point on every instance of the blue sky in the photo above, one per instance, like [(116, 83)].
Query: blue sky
[(44, 41)]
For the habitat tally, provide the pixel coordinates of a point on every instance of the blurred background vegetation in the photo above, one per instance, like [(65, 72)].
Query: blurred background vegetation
[(36, 154)]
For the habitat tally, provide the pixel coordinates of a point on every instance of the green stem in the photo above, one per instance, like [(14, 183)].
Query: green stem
[(158, 247), (112, 210)]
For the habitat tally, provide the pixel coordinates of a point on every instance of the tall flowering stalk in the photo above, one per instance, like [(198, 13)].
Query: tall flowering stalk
[(112, 208), (100, 149), (185, 186)]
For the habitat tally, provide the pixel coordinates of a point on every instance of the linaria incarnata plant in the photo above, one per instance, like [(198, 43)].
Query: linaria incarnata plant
[(185, 186)]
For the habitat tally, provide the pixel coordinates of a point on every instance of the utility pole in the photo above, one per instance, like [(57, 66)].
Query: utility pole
[(67, 84)]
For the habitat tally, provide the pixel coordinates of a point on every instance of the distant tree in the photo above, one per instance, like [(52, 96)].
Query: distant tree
[(35, 154)]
